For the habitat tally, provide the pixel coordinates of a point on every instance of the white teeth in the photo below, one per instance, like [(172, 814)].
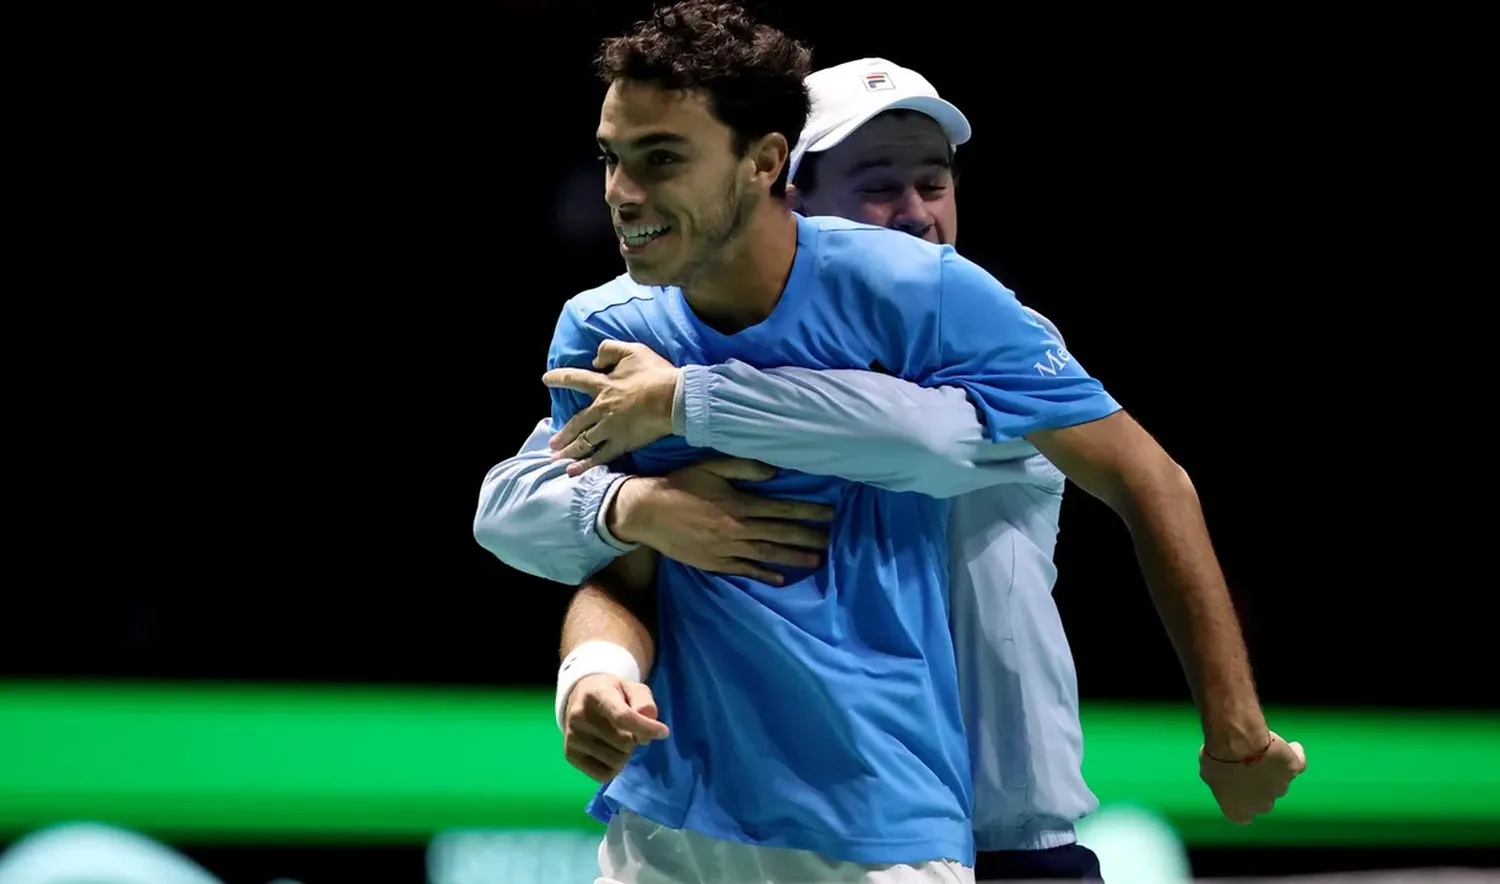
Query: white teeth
[(643, 229), (640, 234)]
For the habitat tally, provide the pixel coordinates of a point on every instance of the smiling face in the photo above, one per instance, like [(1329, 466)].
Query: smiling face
[(894, 171), (678, 190)]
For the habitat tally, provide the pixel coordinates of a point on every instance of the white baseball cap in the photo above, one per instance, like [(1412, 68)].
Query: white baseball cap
[(846, 96)]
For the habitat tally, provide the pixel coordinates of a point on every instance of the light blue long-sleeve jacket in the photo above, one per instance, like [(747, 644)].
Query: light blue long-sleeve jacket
[(1016, 673)]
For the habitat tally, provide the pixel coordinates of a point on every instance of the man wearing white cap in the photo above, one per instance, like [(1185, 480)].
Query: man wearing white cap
[(879, 148)]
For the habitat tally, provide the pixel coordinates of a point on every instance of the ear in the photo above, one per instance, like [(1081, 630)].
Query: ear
[(770, 154), (793, 198)]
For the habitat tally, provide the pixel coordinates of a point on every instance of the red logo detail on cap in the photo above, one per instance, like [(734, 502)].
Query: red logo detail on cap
[(875, 81)]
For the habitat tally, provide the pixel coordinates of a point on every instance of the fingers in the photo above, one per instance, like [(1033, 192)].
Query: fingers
[(780, 543), (795, 510), (604, 725), (644, 729), (775, 554), (576, 426), (608, 449), (638, 698), (601, 456), (592, 768), (747, 568), (594, 744), (598, 760), (599, 712), (642, 704), (602, 729), (738, 469), (611, 352), (607, 754), (785, 534), (592, 446), (620, 718), (578, 449), (580, 379)]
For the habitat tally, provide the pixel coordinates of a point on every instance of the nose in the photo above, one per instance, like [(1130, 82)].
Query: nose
[(912, 215), (622, 194)]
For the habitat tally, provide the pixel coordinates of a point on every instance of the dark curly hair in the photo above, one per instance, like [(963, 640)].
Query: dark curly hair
[(751, 72)]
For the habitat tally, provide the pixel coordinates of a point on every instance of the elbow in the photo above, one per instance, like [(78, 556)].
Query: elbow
[(523, 531), (491, 528), (509, 540), (491, 534), (1172, 479), (494, 533), (939, 466), (1162, 483), (1180, 479), (947, 450)]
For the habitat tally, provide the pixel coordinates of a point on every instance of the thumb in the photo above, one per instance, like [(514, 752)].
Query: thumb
[(738, 468), (642, 722), (610, 352), (1301, 763)]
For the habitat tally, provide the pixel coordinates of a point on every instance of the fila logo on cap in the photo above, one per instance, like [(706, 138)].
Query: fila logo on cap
[(875, 81)]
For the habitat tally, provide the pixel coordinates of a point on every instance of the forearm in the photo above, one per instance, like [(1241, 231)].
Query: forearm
[(618, 605), (857, 425), (1188, 588), (537, 519)]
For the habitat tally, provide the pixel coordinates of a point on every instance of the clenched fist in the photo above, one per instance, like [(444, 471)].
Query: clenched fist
[(1251, 786), (607, 717)]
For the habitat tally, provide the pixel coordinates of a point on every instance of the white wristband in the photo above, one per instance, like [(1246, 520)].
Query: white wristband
[(593, 658)]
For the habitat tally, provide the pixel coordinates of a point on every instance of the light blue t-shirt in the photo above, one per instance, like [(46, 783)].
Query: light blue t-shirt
[(824, 715)]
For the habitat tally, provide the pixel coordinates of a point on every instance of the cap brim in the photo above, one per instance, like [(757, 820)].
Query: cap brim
[(955, 124)]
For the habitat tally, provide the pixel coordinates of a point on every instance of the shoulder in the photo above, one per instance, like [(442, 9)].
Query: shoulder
[(863, 251), (918, 273), (616, 310), (611, 310), (879, 265), (1047, 325), (972, 296), (601, 305), (963, 278)]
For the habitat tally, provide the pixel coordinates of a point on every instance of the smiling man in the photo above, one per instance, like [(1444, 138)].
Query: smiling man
[(701, 112), (880, 147), (733, 651)]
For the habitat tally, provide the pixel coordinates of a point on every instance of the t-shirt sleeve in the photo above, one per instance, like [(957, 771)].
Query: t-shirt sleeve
[(1019, 376), (574, 345)]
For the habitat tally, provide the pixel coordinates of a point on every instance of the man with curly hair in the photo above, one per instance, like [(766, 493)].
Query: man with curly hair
[(812, 731)]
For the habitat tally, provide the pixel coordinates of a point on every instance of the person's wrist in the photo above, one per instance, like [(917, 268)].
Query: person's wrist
[(1238, 740), (627, 512), (665, 401)]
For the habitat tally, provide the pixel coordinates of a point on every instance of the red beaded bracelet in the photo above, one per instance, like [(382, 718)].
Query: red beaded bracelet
[(1248, 759)]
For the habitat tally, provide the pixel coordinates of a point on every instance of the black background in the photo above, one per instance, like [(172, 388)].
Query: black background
[(325, 246)]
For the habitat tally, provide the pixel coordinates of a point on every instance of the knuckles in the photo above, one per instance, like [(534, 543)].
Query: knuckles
[(726, 526)]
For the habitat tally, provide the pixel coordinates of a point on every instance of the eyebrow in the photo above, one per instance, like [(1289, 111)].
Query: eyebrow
[(649, 140), (872, 164)]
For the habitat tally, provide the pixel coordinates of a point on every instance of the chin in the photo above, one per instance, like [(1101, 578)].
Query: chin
[(645, 274)]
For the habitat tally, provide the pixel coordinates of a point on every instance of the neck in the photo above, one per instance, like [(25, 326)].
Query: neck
[(746, 282)]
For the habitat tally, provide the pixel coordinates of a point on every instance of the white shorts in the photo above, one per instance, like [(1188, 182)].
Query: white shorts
[(638, 851)]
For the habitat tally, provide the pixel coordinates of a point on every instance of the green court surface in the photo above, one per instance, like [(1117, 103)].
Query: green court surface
[(228, 764)]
